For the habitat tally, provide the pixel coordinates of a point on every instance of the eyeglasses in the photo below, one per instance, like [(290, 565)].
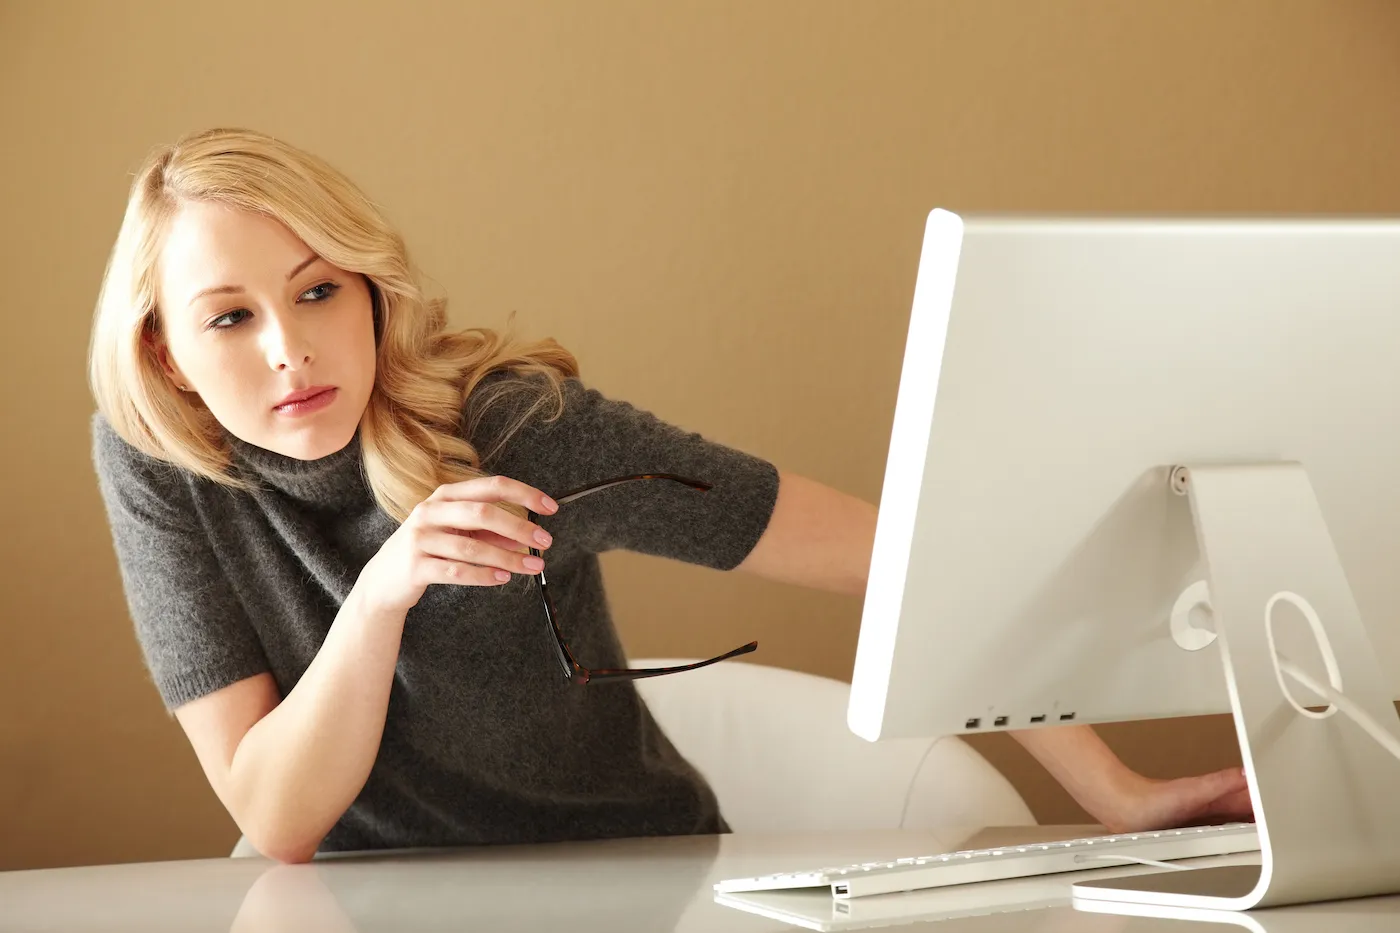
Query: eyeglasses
[(575, 672)]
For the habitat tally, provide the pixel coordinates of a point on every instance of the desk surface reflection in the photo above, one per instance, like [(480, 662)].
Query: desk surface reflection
[(614, 886)]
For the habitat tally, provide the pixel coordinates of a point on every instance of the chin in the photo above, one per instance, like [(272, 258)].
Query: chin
[(313, 445), (304, 442)]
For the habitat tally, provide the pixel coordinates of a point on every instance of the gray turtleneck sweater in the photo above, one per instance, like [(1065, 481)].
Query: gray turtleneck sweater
[(484, 741)]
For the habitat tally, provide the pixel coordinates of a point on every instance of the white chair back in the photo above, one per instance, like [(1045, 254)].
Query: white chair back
[(774, 745)]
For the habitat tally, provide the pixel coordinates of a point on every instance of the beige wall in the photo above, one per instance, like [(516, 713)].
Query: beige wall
[(717, 205)]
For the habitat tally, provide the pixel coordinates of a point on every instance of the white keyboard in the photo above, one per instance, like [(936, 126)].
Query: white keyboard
[(1018, 861)]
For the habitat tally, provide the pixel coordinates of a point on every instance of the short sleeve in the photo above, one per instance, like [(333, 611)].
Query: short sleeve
[(597, 438), (190, 625)]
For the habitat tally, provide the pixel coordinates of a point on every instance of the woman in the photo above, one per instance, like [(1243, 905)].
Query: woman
[(292, 448)]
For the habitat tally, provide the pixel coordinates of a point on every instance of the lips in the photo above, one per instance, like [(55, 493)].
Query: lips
[(302, 395)]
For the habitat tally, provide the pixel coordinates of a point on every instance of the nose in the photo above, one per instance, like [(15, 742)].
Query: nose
[(287, 346)]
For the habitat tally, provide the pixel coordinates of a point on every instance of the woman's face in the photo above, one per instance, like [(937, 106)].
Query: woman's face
[(277, 342)]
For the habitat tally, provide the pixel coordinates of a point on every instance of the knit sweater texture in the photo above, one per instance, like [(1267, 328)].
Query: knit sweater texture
[(484, 742)]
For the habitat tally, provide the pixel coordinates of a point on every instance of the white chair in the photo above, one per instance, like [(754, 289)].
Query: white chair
[(774, 746)]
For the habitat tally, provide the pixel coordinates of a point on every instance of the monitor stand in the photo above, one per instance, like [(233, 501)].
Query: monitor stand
[(1326, 794)]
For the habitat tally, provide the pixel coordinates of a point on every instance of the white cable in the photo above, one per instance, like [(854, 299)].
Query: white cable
[(913, 781), (1357, 715), (1131, 858)]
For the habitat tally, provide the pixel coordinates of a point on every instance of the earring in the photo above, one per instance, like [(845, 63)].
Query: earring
[(184, 388)]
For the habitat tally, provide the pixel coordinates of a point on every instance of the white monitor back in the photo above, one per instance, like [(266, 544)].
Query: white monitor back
[(1029, 547)]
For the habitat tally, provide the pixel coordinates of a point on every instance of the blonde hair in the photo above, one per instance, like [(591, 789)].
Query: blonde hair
[(411, 434)]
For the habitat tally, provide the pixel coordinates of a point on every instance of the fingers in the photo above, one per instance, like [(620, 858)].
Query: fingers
[(493, 539), (467, 538), (465, 549), (497, 489), (463, 515), (1236, 808), (439, 570), (1219, 795), (1233, 807), (1204, 789), (1228, 781)]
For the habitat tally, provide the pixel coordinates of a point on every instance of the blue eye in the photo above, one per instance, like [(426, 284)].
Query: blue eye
[(315, 294), (232, 317), (326, 289)]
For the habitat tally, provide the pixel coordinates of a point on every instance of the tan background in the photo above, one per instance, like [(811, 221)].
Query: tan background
[(717, 205)]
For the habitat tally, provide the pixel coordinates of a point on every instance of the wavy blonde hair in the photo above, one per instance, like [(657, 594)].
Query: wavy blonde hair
[(411, 433)]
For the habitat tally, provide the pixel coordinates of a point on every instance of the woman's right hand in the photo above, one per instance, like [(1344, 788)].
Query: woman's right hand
[(458, 535)]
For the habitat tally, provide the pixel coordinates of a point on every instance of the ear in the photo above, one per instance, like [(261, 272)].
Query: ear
[(376, 308), (162, 354)]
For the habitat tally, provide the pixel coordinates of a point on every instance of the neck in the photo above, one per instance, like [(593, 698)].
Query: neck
[(331, 480)]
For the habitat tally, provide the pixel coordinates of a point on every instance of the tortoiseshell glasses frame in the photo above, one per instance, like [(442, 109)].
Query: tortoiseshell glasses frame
[(573, 671)]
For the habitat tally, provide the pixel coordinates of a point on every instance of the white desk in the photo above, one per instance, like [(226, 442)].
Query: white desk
[(643, 885)]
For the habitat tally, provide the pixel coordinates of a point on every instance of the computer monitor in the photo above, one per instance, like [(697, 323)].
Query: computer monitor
[(1134, 462)]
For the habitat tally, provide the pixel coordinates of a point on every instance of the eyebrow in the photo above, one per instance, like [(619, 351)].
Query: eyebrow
[(235, 289)]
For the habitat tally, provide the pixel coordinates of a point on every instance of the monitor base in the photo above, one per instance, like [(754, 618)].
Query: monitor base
[(1324, 790)]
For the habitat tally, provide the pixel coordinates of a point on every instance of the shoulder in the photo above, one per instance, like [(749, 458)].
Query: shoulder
[(134, 481), (507, 406), (523, 411), (115, 457)]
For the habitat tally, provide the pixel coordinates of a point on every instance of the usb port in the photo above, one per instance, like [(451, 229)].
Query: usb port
[(1001, 720), (1066, 717), (973, 723), (1040, 718)]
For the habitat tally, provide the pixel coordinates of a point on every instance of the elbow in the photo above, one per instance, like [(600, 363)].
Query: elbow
[(287, 852), (283, 844), (293, 856), (290, 854)]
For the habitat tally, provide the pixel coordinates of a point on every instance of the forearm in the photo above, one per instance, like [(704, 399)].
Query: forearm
[(816, 537), (1083, 764), (301, 766)]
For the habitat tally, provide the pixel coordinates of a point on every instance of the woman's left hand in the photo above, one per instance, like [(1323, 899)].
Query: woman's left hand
[(1123, 800), (1142, 803)]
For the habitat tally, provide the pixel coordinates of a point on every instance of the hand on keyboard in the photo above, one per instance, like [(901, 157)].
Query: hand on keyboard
[(1219, 797), (1122, 800)]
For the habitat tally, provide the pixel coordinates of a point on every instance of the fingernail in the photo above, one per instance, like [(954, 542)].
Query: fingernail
[(502, 575), (543, 538), (550, 505), (533, 563)]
